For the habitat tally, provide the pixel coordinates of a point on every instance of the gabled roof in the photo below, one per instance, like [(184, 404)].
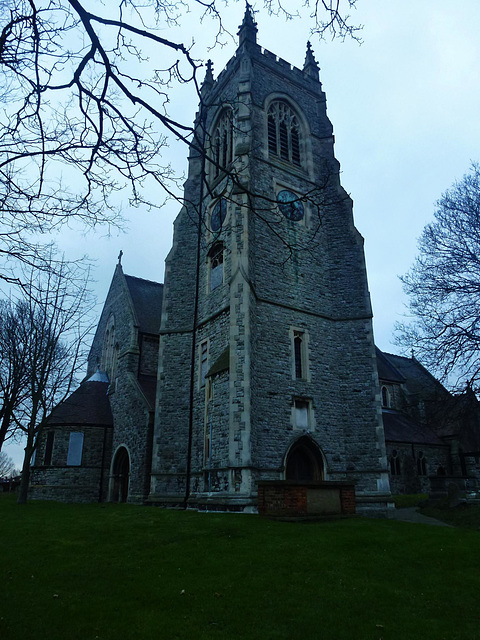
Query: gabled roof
[(147, 301), (400, 428), (417, 378), (88, 405), (386, 370)]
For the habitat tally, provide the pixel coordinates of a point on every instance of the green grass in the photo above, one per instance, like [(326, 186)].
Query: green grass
[(118, 571), (411, 500), (466, 516)]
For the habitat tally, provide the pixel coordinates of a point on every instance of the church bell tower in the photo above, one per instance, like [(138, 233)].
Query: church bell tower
[(267, 365)]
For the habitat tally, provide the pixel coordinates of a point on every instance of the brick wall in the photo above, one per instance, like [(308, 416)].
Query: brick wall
[(288, 499)]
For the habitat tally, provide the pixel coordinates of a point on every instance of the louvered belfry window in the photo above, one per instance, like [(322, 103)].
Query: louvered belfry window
[(283, 133)]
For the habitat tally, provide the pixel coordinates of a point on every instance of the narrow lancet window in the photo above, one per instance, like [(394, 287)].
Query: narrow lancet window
[(222, 143), (297, 346), (47, 460), (299, 354), (215, 258)]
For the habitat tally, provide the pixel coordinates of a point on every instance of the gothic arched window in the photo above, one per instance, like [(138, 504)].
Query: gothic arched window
[(283, 132), (395, 468), (385, 397), (421, 464), (110, 350), (215, 259), (222, 142)]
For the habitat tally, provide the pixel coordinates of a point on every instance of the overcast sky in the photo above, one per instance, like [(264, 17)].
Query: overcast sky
[(405, 109)]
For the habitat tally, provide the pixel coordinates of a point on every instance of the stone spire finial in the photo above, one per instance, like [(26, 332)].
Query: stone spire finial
[(208, 80), (120, 258), (310, 67), (248, 29)]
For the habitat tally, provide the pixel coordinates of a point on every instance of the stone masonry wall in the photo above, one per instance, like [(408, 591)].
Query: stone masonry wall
[(84, 483), (132, 419), (409, 480)]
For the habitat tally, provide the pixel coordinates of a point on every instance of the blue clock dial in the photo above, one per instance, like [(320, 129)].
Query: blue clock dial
[(290, 206)]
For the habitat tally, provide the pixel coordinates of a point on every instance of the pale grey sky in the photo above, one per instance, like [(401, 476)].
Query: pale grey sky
[(405, 109)]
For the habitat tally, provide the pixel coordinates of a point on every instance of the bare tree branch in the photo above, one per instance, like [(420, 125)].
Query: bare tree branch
[(85, 111), (444, 287)]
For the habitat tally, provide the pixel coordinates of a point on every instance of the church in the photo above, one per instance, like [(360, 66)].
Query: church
[(255, 360)]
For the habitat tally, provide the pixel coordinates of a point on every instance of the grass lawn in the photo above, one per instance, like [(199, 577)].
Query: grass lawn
[(465, 515), (410, 500), (118, 571)]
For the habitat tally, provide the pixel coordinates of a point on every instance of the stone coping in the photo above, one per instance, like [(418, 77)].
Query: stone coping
[(310, 483)]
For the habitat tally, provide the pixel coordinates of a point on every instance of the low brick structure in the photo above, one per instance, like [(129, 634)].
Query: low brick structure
[(292, 499)]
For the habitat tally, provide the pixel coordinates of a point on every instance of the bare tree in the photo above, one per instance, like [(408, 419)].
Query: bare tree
[(7, 466), (444, 287), (53, 324), (84, 106), (13, 372)]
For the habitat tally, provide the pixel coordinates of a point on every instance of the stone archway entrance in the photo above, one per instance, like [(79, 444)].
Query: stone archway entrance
[(120, 476), (304, 462)]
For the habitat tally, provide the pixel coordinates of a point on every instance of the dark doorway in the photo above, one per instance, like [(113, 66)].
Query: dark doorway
[(121, 475), (304, 462)]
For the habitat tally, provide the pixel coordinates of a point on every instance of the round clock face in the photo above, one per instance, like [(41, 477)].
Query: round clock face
[(290, 205), (219, 214)]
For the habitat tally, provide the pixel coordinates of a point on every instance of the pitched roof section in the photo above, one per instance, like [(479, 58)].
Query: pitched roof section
[(418, 379), (147, 301), (88, 405), (386, 371), (400, 428)]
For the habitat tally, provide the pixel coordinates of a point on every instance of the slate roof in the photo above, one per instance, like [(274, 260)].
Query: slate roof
[(417, 378), (147, 301), (386, 370), (89, 404), (400, 428)]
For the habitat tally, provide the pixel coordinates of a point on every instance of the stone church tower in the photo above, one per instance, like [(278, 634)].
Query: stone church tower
[(267, 365)]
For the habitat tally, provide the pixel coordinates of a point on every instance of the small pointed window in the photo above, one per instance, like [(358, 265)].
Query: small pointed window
[(215, 259), (110, 351), (385, 397), (297, 348), (395, 468), (300, 355), (421, 464), (222, 143)]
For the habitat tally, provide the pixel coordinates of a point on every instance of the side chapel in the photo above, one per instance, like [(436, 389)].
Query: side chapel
[(255, 360)]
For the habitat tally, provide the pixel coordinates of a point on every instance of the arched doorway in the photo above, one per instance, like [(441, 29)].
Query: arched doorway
[(304, 462), (120, 476)]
